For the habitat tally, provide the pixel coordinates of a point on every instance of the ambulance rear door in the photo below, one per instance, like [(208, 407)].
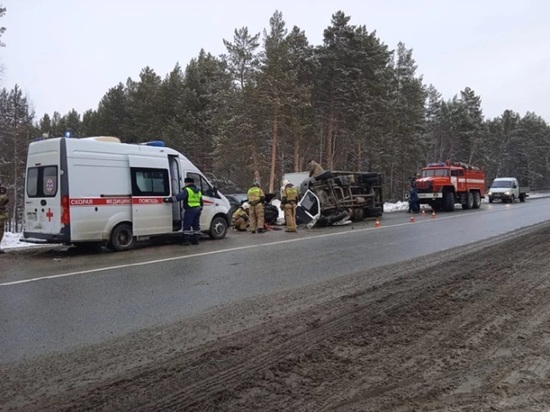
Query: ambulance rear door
[(43, 191), (150, 183)]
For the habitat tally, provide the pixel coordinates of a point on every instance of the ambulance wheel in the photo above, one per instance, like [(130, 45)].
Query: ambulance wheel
[(218, 228), (122, 238)]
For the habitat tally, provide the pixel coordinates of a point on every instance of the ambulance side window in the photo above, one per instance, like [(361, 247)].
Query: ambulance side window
[(42, 181), (150, 182), (203, 185)]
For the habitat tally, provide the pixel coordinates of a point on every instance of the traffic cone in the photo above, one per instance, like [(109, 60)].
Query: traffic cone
[(411, 219), (377, 224), (433, 213), (423, 213)]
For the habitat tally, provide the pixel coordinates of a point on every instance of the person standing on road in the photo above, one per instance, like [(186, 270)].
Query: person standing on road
[(285, 182), (3, 212), (191, 196), (239, 219), (288, 204), (256, 198), (414, 200)]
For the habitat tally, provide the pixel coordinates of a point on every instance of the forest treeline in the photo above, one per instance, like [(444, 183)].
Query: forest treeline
[(274, 101)]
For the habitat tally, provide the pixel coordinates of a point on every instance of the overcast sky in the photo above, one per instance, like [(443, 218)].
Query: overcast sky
[(66, 54)]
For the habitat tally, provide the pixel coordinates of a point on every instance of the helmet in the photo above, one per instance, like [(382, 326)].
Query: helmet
[(246, 205), (286, 182)]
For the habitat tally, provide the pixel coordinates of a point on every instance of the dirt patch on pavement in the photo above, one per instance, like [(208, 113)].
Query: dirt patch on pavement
[(461, 330)]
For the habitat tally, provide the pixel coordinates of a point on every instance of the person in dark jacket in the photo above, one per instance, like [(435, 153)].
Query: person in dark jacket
[(191, 196), (414, 201)]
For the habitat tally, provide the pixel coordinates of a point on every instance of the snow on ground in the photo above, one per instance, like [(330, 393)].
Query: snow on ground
[(11, 240)]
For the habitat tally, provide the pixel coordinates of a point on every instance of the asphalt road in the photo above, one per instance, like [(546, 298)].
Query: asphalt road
[(56, 299)]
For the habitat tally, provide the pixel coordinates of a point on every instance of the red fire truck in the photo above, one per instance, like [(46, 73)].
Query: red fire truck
[(441, 185)]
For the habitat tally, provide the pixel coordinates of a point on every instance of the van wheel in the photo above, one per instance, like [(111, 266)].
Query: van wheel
[(122, 238), (218, 228)]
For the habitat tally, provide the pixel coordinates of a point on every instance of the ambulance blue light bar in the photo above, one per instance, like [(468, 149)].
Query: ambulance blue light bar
[(156, 143)]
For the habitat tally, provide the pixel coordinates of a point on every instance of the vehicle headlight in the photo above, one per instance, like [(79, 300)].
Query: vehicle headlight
[(508, 193), (490, 193)]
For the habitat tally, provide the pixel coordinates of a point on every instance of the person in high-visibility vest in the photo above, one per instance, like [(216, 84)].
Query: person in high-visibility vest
[(3, 212), (289, 202), (191, 196), (256, 198), (240, 218)]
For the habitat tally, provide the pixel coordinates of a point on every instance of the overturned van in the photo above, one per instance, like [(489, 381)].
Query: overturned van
[(339, 197)]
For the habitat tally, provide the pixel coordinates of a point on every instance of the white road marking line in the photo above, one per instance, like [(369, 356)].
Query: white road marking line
[(152, 262)]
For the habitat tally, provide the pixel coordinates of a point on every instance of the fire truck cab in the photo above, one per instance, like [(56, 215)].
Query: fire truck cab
[(440, 185)]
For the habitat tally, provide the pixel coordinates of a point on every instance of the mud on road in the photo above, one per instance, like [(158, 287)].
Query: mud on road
[(461, 330)]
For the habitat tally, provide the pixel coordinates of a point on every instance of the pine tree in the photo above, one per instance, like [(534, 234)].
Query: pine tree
[(73, 123), (273, 84), (241, 59), (144, 110), (90, 125), (206, 84), (113, 116), (407, 102), (16, 131)]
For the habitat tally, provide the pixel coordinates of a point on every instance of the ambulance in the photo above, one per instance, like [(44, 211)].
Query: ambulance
[(100, 191)]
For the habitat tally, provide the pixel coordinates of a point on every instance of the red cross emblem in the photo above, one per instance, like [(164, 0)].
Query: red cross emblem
[(49, 215)]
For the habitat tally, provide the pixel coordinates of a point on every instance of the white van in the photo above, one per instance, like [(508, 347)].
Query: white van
[(97, 190)]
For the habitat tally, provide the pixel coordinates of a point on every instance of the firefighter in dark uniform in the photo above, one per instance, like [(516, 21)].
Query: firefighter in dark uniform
[(191, 196), (288, 204), (3, 212), (256, 198)]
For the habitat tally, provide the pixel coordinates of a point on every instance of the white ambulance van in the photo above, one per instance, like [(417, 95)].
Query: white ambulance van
[(99, 191)]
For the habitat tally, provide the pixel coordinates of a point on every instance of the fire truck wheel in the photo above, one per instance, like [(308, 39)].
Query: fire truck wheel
[(448, 201), (218, 228), (477, 200), (469, 201), (122, 238)]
